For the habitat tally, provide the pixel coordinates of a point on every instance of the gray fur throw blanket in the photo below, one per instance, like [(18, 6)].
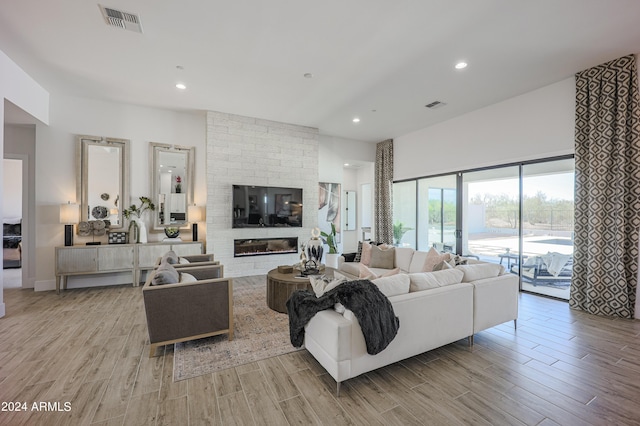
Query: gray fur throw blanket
[(373, 310)]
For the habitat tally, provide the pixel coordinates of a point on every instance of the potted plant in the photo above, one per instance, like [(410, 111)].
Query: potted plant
[(398, 232), (134, 214), (330, 240), (178, 184)]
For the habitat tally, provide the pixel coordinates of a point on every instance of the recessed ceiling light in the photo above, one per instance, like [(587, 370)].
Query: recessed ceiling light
[(181, 86), (356, 120), (461, 65), (346, 164), (308, 75)]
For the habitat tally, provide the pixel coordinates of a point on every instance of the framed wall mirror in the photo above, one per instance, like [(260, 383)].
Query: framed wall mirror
[(102, 183), (171, 183)]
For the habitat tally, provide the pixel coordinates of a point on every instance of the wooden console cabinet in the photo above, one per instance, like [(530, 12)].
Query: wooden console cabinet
[(103, 259)]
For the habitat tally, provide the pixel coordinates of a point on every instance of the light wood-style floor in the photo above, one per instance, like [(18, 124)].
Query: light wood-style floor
[(89, 348)]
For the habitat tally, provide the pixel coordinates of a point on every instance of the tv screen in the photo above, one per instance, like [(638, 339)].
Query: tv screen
[(266, 206)]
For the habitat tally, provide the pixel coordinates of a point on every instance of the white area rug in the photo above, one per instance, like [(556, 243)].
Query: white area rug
[(259, 333)]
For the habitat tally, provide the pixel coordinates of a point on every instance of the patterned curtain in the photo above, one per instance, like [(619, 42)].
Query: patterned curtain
[(607, 198), (384, 192)]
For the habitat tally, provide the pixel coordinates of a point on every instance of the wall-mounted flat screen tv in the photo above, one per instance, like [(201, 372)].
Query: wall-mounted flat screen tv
[(266, 206)]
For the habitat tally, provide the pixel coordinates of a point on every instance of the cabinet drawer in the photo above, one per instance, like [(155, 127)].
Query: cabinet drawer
[(76, 260), (187, 249), (149, 254), (115, 258)]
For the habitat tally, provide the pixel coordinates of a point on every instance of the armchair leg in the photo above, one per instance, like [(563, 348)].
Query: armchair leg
[(338, 389), (515, 323), (470, 340)]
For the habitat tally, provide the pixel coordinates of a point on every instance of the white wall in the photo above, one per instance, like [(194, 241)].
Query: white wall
[(334, 153), (56, 168), (538, 124), (20, 143), (250, 151), (16, 86), (12, 188)]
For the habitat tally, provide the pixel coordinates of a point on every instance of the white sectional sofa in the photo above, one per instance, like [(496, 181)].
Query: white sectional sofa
[(439, 308)]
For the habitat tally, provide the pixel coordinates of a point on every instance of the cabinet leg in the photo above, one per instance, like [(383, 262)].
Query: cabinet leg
[(57, 284)]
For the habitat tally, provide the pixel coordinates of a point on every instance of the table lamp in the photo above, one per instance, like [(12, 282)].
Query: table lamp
[(195, 215), (69, 214)]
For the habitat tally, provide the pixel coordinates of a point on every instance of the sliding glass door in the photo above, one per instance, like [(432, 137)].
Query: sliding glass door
[(404, 214), (490, 215), (437, 209), (547, 227), (519, 216)]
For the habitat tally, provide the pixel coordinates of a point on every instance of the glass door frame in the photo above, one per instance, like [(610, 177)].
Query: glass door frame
[(460, 200)]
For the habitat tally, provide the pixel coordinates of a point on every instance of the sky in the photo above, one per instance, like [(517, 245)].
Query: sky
[(558, 186)]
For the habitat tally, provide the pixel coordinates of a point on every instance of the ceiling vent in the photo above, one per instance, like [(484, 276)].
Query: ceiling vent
[(120, 19), (435, 105)]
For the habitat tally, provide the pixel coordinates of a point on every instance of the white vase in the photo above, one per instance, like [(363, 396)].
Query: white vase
[(331, 260), (314, 249), (142, 230)]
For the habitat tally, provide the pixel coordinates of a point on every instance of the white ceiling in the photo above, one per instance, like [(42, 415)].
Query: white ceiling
[(248, 57)]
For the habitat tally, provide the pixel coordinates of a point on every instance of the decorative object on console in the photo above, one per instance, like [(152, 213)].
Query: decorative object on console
[(134, 214), (92, 228), (117, 237), (314, 248), (195, 214), (172, 232), (178, 184), (69, 214)]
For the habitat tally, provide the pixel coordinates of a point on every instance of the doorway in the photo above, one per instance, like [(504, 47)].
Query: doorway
[(13, 201)]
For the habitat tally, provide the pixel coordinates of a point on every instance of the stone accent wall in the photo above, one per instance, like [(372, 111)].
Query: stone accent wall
[(250, 151)]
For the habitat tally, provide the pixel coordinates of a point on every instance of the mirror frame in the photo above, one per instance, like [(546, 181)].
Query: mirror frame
[(190, 151), (82, 172)]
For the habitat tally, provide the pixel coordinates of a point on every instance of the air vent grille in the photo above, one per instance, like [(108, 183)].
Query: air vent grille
[(120, 19), (435, 105)]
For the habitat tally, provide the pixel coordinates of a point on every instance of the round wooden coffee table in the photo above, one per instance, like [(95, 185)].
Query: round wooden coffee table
[(280, 287)]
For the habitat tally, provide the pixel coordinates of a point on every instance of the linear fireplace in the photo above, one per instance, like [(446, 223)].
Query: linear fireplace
[(262, 246)]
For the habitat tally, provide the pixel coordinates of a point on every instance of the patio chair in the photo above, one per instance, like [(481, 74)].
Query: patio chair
[(536, 270)]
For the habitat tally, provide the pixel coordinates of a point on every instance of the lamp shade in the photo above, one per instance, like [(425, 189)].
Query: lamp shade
[(69, 213), (195, 213)]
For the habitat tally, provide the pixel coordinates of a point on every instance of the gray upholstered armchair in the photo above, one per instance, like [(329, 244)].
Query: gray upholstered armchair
[(190, 309)]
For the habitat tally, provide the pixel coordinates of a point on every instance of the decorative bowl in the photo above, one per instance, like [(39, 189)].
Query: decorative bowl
[(172, 232)]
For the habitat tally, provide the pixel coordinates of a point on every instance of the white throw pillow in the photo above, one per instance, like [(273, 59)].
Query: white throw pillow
[(183, 261), (187, 278), (322, 284), (393, 285), (428, 280), (480, 271)]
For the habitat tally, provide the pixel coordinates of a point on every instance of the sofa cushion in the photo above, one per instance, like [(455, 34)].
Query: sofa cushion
[(445, 264), (427, 280), (187, 278), (322, 284), (365, 257), (382, 257), (365, 272), (480, 271), (170, 257), (358, 255), (165, 274), (417, 261), (433, 258), (403, 258), (351, 268), (393, 285)]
